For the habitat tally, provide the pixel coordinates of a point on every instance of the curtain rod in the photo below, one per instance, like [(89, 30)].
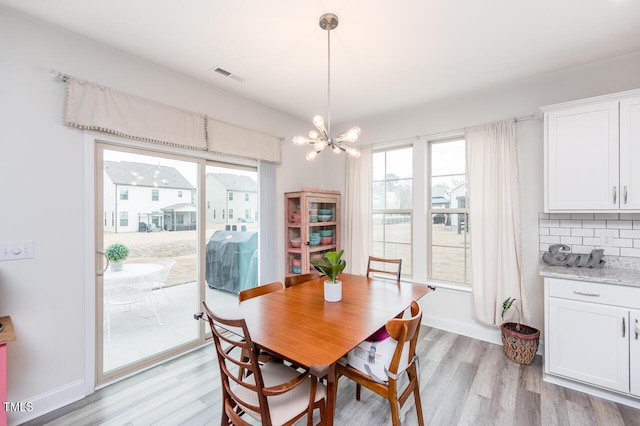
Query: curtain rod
[(57, 74)]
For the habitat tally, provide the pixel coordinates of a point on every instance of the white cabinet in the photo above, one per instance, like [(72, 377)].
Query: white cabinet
[(590, 147), (591, 335), (634, 349)]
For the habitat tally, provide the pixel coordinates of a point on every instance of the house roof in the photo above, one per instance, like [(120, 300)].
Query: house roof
[(233, 182), (182, 207), (140, 174)]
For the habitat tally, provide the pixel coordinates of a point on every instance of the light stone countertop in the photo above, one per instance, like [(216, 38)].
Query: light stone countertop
[(615, 271)]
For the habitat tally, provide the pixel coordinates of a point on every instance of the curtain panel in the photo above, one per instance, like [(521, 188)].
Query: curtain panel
[(357, 221), (89, 106), (494, 208)]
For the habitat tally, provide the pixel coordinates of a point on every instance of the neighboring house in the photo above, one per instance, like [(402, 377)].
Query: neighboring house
[(231, 198), (140, 197)]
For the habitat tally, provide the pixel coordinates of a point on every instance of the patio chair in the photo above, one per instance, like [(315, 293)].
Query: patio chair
[(299, 279), (160, 277), (383, 270), (404, 332), (273, 393), (126, 292)]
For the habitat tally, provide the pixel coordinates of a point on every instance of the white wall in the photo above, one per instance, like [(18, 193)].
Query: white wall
[(43, 162), (452, 310)]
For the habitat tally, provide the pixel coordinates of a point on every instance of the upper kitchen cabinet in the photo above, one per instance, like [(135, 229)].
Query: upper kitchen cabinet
[(590, 147)]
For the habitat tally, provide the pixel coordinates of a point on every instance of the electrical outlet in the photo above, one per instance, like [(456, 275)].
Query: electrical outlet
[(606, 237)]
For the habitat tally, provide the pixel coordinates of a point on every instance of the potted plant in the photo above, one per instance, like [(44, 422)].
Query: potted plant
[(520, 341), (116, 253), (331, 265)]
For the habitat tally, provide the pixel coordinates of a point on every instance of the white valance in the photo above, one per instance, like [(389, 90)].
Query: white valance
[(90, 106), (234, 140)]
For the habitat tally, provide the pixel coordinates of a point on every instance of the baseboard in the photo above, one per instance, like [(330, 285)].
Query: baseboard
[(592, 390), (475, 331), (47, 402)]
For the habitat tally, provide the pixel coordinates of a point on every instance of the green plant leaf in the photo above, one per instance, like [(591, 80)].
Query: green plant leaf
[(331, 264), (506, 305)]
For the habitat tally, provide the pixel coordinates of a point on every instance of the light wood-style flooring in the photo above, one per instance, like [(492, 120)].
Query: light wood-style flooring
[(463, 382)]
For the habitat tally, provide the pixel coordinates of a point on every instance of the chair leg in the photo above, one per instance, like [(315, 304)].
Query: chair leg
[(418, 402), (358, 390), (395, 412)]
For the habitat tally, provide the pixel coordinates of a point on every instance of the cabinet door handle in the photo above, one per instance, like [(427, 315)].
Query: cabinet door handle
[(582, 293), (615, 195), (637, 329), (625, 194), (624, 327)]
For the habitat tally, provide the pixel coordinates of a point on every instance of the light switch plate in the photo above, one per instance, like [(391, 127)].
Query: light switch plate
[(16, 250)]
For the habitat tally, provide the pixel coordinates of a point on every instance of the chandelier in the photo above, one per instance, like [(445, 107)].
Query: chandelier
[(321, 138)]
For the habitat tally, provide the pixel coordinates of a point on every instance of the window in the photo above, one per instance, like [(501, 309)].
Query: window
[(124, 193), (392, 205), (230, 213), (179, 194), (448, 213), (209, 208), (155, 195), (214, 213), (247, 214), (124, 218), (246, 197), (223, 213), (230, 196)]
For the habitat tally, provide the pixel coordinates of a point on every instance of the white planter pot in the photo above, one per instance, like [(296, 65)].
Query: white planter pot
[(333, 291), (116, 266)]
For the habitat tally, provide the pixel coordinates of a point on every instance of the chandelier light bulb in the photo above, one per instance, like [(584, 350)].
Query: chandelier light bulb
[(300, 140), (320, 145), (355, 153), (336, 149), (311, 156), (319, 123), (313, 134)]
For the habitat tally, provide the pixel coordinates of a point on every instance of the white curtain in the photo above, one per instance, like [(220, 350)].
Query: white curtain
[(357, 208), (267, 222), (494, 208)]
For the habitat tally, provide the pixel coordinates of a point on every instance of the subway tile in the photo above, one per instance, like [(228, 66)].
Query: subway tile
[(594, 224), (543, 231), (608, 216), (550, 239), (622, 242), (629, 216), (549, 223), (625, 233), (615, 233), (562, 216), (591, 241), (612, 251), (619, 224), (636, 243), (582, 232), (570, 223), (636, 224), (582, 216), (544, 247), (560, 231), (543, 215), (571, 240), (630, 252)]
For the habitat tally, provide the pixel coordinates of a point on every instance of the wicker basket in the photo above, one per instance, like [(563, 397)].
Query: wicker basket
[(520, 347)]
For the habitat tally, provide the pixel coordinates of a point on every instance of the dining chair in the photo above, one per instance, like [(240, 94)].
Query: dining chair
[(382, 270), (292, 280), (259, 291), (273, 393), (404, 331)]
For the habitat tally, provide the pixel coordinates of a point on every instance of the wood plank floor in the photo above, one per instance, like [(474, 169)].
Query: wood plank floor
[(463, 382)]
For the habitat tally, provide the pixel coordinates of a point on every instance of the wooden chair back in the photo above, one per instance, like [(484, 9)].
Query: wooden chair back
[(405, 331), (292, 280), (250, 293), (397, 269), (249, 394)]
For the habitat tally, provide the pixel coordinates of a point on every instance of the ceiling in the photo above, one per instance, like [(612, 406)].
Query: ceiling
[(384, 55)]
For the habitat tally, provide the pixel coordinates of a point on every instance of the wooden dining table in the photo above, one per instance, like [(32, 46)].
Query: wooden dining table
[(297, 324)]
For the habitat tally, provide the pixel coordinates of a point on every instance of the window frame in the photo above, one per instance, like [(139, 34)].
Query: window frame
[(155, 194)]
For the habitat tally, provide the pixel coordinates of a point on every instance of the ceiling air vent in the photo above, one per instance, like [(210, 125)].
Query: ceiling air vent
[(226, 73)]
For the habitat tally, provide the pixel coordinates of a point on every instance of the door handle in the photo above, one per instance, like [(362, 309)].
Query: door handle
[(624, 327), (106, 267), (637, 329), (625, 194), (582, 293), (615, 195)]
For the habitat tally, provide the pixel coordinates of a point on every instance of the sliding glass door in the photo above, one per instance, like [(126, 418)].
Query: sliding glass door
[(147, 224)]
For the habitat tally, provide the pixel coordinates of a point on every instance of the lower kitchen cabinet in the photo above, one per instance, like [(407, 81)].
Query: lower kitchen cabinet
[(593, 334)]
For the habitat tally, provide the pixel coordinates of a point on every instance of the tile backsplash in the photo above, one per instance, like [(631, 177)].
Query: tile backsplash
[(584, 232)]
